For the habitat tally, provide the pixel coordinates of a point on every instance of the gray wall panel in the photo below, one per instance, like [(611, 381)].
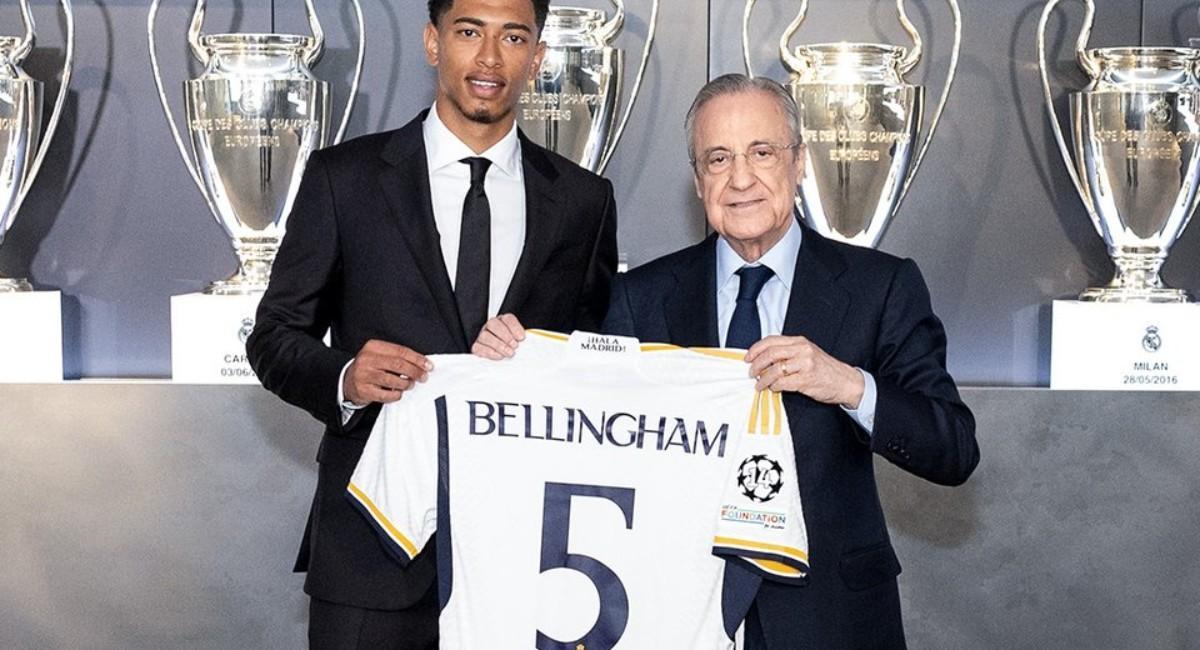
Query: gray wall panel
[(152, 516)]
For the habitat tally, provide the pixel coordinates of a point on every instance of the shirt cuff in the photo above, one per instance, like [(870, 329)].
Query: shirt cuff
[(348, 407), (864, 415)]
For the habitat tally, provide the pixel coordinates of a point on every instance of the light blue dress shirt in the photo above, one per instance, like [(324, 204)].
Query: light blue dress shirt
[(773, 303)]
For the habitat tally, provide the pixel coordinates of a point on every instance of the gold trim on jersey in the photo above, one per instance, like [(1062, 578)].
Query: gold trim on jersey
[(766, 414), (406, 544), (550, 335), (750, 545), (775, 568)]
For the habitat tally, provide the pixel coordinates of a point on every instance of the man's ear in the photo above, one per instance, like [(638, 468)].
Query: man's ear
[(431, 44), (698, 183)]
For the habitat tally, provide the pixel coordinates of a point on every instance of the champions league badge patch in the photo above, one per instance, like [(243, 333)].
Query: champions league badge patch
[(760, 478)]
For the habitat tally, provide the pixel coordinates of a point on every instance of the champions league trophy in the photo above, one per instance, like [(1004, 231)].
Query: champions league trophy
[(21, 148), (861, 121), (570, 107), (254, 116), (1136, 164)]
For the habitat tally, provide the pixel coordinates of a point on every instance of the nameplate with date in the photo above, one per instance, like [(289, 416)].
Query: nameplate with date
[(1106, 346)]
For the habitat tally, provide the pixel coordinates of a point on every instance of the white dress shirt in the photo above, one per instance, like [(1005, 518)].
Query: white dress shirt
[(773, 302), (449, 181)]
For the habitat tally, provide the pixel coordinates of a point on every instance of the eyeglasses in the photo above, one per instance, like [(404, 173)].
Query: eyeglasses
[(762, 157)]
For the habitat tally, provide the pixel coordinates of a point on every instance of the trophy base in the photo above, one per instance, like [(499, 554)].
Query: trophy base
[(228, 288), (1153, 295), (15, 285), (234, 287)]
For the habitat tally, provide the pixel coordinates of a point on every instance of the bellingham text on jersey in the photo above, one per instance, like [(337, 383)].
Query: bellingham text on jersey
[(565, 424)]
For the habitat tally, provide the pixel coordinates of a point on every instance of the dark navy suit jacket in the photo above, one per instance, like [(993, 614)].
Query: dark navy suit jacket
[(362, 258), (870, 310)]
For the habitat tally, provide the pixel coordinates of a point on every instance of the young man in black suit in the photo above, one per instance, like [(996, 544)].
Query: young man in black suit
[(448, 235), (846, 334)]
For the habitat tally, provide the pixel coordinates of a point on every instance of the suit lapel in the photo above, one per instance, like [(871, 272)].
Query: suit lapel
[(818, 303), (542, 222), (405, 183), (692, 307)]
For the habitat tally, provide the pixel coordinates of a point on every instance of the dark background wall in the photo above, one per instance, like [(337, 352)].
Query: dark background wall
[(115, 223)]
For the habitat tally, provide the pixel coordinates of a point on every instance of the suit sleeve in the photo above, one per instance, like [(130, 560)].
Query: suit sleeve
[(619, 320), (286, 348), (921, 424), (602, 266)]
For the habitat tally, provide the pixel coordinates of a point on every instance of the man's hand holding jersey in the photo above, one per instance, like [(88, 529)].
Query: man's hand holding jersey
[(382, 371), (795, 364), (499, 338)]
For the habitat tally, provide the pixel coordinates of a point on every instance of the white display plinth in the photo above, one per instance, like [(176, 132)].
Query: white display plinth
[(208, 338), (31, 337), (1108, 346)]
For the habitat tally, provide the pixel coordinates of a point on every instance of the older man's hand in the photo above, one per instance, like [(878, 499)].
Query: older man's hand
[(795, 364)]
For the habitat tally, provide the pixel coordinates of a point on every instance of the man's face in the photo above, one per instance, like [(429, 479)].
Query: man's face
[(484, 51), (750, 207)]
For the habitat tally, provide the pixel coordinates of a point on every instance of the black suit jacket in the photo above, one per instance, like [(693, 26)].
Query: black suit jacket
[(362, 259), (870, 310)]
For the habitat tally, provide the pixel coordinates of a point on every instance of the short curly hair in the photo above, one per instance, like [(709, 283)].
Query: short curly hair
[(438, 8)]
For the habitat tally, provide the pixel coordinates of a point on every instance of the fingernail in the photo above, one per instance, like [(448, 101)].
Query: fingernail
[(429, 365)]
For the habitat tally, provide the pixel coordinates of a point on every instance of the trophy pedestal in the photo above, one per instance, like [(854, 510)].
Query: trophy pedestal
[(31, 337), (208, 338), (1112, 346)]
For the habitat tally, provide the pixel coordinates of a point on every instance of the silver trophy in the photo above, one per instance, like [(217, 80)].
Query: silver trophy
[(22, 145), (861, 121), (1136, 128), (570, 107), (254, 116)]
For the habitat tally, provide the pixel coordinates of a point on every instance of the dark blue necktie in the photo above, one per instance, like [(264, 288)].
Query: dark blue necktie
[(474, 252), (745, 328)]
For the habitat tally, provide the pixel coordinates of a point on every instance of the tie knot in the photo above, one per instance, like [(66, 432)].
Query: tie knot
[(479, 168), (753, 280)]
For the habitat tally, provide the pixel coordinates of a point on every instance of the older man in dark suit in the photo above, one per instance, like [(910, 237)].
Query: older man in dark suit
[(447, 235), (846, 334)]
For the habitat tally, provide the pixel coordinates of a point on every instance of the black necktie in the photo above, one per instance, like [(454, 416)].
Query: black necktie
[(474, 252), (745, 328)]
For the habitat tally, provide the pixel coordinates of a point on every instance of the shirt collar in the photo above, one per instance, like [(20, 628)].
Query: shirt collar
[(443, 148), (781, 258)]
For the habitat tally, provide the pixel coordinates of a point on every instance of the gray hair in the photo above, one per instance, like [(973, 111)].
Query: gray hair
[(732, 84)]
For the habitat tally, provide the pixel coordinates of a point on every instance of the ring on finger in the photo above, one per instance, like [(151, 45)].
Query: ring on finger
[(784, 368)]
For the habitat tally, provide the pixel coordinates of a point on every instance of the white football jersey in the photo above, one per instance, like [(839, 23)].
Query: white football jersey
[(587, 493)]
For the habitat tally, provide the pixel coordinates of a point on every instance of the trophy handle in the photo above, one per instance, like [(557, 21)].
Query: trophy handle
[(30, 36), (610, 29), (202, 54), (358, 69), (797, 64), (637, 83), (193, 35), (746, 36), (313, 54), (914, 55), (1090, 65), (941, 107), (59, 101)]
